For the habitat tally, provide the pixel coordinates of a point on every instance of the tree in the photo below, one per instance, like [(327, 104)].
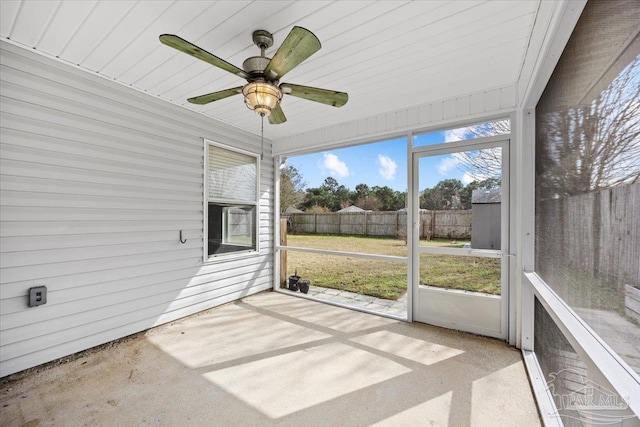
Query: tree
[(390, 200), (342, 198), (316, 197), (485, 163), (330, 184), (588, 147), (317, 209), (591, 146), (330, 194), (336, 196), (291, 188), (450, 190), (481, 164), (401, 199), (362, 191), (445, 195), (368, 203)]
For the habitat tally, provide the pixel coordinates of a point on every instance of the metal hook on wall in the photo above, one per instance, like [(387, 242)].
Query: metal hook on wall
[(183, 241)]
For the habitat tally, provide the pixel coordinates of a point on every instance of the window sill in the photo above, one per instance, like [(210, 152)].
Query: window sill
[(216, 259)]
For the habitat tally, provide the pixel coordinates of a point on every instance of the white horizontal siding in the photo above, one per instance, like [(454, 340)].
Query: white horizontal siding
[(50, 323), (96, 180), (480, 105)]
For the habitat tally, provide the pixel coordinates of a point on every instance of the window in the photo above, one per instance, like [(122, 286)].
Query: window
[(480, 130), (587, 176), (231, 192)]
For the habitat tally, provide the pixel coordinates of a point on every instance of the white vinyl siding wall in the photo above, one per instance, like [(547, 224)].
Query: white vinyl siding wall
[(96, 181)]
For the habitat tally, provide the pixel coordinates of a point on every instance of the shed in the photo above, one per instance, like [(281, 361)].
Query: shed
[(485, 218), (292, 210)]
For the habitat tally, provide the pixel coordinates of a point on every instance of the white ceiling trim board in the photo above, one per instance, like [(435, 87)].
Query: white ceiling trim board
[(462, 110)]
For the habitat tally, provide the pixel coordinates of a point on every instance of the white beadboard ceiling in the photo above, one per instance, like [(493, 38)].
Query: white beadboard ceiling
[(387, 55)]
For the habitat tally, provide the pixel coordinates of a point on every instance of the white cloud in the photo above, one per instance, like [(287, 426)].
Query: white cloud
[(447, 164), (497, 127), (387, 167), (459, 134), (334, 165), (467, 178)]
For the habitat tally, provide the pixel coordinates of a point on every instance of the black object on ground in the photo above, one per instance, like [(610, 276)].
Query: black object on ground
[(303, 285)]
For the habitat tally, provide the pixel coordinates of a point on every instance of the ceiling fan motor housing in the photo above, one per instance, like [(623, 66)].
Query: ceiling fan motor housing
[(255, 65)]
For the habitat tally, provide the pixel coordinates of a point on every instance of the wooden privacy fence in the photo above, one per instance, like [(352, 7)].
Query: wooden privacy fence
[(597, 233), (433, 224)]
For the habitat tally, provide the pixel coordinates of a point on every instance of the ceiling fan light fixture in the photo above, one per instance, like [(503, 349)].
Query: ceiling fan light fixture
[(261, 97), (263, 92)]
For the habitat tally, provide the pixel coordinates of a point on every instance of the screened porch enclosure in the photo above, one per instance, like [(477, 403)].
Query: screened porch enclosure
[(587, 213), (131, 209), (353, 246)]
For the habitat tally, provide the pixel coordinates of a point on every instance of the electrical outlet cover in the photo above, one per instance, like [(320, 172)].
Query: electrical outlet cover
[(37, 296)]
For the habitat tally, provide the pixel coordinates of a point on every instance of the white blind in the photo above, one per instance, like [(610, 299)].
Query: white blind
[(232, 175)]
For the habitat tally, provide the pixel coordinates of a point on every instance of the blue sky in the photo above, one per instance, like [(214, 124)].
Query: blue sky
[(381, 163)]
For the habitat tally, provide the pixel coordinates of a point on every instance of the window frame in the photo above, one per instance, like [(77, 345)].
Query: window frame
[(605, 366), (253, 251)]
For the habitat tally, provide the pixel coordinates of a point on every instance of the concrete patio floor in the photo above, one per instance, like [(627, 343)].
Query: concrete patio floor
[(271, 359)]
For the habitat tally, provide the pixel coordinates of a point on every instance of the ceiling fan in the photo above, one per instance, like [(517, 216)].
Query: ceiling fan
[(263, 92)]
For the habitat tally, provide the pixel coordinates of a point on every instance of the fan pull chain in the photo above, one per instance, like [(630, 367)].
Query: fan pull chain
[(262, 138)]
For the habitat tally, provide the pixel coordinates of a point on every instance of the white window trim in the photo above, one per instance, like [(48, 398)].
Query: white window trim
[(206, 259), (503, 141), (509, 321)]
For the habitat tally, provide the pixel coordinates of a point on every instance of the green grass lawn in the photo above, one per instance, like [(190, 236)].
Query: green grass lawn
[(386, 279)]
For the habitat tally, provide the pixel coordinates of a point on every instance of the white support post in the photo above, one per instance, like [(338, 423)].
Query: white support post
[(411, 252), (276, 222), (525, 213)]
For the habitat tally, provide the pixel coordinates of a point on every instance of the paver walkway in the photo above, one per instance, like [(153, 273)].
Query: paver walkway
[(380, 305)]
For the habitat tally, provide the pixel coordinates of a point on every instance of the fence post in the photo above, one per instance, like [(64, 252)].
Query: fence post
[(432, 231), (283, 254), (315, 223), (365, 223)]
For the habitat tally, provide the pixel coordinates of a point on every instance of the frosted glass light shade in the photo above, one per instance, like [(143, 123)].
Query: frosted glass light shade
[(261, 97)]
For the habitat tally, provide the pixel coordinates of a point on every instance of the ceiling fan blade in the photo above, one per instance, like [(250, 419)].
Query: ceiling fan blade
[(324, 96), (190, 49), (215, 96), (298, 46), (277, 116)]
